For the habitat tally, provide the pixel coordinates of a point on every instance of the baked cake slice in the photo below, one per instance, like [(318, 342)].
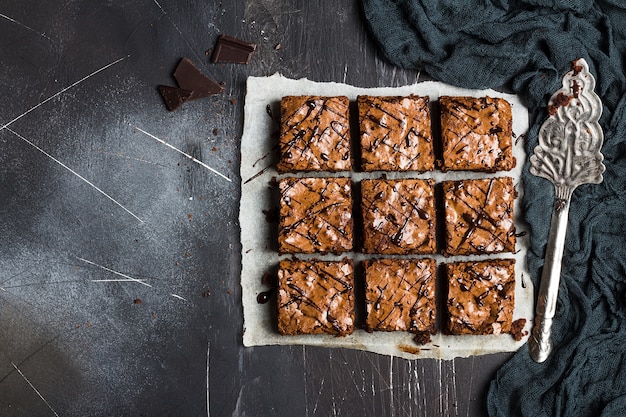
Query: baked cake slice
[(400, 294), (476, 134), (395, 133), (479, 216), (314, 134), (481, 296), (315, 215), (398, 216), (316, 297)]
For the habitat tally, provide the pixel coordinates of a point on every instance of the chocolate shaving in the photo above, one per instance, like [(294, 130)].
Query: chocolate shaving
[(233, 50), (191, 78)]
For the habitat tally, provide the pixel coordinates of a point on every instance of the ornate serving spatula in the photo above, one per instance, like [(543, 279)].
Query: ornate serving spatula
[(568, 155)]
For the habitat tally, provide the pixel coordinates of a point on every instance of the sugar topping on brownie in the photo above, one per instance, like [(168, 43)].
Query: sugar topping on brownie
[(314, 134)]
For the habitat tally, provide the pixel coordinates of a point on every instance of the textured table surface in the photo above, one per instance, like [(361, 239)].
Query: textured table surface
[(120, 255)]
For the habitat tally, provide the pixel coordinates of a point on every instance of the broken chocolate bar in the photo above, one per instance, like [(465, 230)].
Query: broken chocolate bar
[(232, 50), (174, 97), (190, 78)]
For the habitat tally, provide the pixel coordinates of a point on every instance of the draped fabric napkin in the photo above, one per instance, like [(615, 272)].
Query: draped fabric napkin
[(527, 46)]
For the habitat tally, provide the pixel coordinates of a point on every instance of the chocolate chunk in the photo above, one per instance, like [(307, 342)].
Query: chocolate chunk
[(190, 78), (232, 50), (174, 97)]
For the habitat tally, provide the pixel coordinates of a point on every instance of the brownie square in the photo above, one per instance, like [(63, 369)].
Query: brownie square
[(315, 215), (398, 216), (400, 294), (476, 134), (316, 297), (479, 216), (481, 296), (314, 134), (395, 133)]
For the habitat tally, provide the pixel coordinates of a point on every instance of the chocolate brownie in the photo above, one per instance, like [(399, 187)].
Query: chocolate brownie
[(398, 216), (314, 134), (476, 134), (315, 215), (481, 296), (479, 216), (395, 133), (316, 297), (400, 294)]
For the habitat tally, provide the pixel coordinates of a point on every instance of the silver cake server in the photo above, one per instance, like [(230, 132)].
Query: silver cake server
[(568, 155)]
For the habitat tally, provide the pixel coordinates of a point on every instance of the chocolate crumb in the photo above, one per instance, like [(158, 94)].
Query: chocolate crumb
[(576, 68), (215, 132), (137, 301), (206, 294), (517, 329), (270, 280), (575, 88), (560, 100), (233, 101), (278, 46)]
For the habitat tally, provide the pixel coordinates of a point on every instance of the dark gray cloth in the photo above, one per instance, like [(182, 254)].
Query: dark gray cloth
[(528, 46)]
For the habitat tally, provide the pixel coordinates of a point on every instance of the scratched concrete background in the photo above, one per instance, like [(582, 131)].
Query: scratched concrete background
[(120, 256)]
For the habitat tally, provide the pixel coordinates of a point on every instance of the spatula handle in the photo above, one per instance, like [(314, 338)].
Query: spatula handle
[(540, 344)]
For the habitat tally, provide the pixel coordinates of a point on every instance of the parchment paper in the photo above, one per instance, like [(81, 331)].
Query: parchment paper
[(258, 236)]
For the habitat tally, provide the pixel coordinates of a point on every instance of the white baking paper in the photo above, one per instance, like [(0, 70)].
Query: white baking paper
[(258, 236)]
